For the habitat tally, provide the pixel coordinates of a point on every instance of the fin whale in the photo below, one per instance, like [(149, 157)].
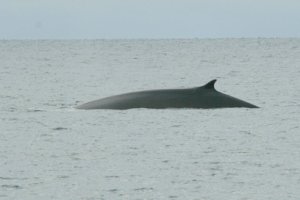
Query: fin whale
[(204, 97)]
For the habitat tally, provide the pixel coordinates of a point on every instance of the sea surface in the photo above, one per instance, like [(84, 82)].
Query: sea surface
[(50, 150)]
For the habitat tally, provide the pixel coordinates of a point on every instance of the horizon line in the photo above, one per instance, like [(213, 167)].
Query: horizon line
[(162, 38)]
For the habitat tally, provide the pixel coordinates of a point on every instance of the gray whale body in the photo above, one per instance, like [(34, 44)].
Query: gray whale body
[(199, 97)]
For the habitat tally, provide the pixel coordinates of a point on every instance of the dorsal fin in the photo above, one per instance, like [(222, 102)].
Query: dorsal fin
[(210, 84)]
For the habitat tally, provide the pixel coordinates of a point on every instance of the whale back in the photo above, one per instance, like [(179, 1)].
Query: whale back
[(205, 96)]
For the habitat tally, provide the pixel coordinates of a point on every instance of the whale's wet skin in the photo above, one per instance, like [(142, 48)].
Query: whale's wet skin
[(199, 97)]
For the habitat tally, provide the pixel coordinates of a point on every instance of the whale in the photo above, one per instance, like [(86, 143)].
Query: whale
[(204, 97)]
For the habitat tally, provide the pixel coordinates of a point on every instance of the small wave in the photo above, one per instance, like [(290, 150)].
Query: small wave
[(144, 189), (35, 110), (59, 128), (11, 186), (11, 178)]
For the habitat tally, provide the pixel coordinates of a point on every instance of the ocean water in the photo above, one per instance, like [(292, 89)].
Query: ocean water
[(49, 150)]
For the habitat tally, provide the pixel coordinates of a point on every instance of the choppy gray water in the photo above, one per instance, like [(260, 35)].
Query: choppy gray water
[(49, 150)]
